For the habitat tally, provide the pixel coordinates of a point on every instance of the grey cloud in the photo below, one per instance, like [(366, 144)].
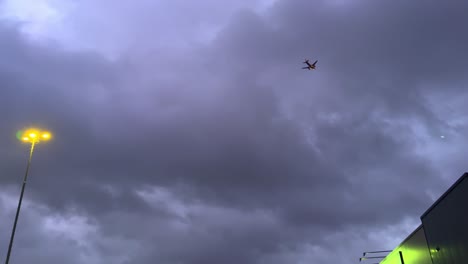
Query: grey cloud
[(216, 133)]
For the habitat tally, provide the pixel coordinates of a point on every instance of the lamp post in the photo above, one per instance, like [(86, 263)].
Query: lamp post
[(32, 136)]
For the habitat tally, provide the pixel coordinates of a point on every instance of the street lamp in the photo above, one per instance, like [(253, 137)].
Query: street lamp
[(32, 136)]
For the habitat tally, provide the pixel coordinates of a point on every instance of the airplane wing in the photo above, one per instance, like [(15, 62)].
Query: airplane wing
[(315, 62)]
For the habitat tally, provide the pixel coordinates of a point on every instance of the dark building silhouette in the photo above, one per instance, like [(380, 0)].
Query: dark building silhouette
[(442, 238)]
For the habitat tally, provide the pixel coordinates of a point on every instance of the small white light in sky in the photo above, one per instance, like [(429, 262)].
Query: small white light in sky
[(442, 137)]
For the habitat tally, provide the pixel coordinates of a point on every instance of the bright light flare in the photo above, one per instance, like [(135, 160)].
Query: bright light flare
[(33, 135), (45, 135)]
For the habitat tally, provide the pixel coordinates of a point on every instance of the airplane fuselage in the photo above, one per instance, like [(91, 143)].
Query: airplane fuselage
[(309, 66)]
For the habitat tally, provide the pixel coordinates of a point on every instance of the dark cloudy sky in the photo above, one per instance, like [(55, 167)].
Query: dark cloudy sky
[(186, 132)]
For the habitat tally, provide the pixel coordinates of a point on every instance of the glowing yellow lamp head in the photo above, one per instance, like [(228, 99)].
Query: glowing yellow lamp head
[(33, 135), (45, 135)]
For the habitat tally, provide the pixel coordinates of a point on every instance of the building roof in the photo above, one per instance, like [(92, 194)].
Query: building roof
[(463, 177)]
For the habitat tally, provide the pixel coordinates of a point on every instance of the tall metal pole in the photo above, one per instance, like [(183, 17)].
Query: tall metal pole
[(19, 203)]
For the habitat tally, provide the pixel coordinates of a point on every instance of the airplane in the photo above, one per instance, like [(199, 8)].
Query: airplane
[(309, 66)]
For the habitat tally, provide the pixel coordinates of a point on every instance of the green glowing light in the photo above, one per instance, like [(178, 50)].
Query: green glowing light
[(19, 134)]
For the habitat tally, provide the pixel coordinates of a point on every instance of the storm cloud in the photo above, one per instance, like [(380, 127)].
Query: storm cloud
[(187, 133)]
